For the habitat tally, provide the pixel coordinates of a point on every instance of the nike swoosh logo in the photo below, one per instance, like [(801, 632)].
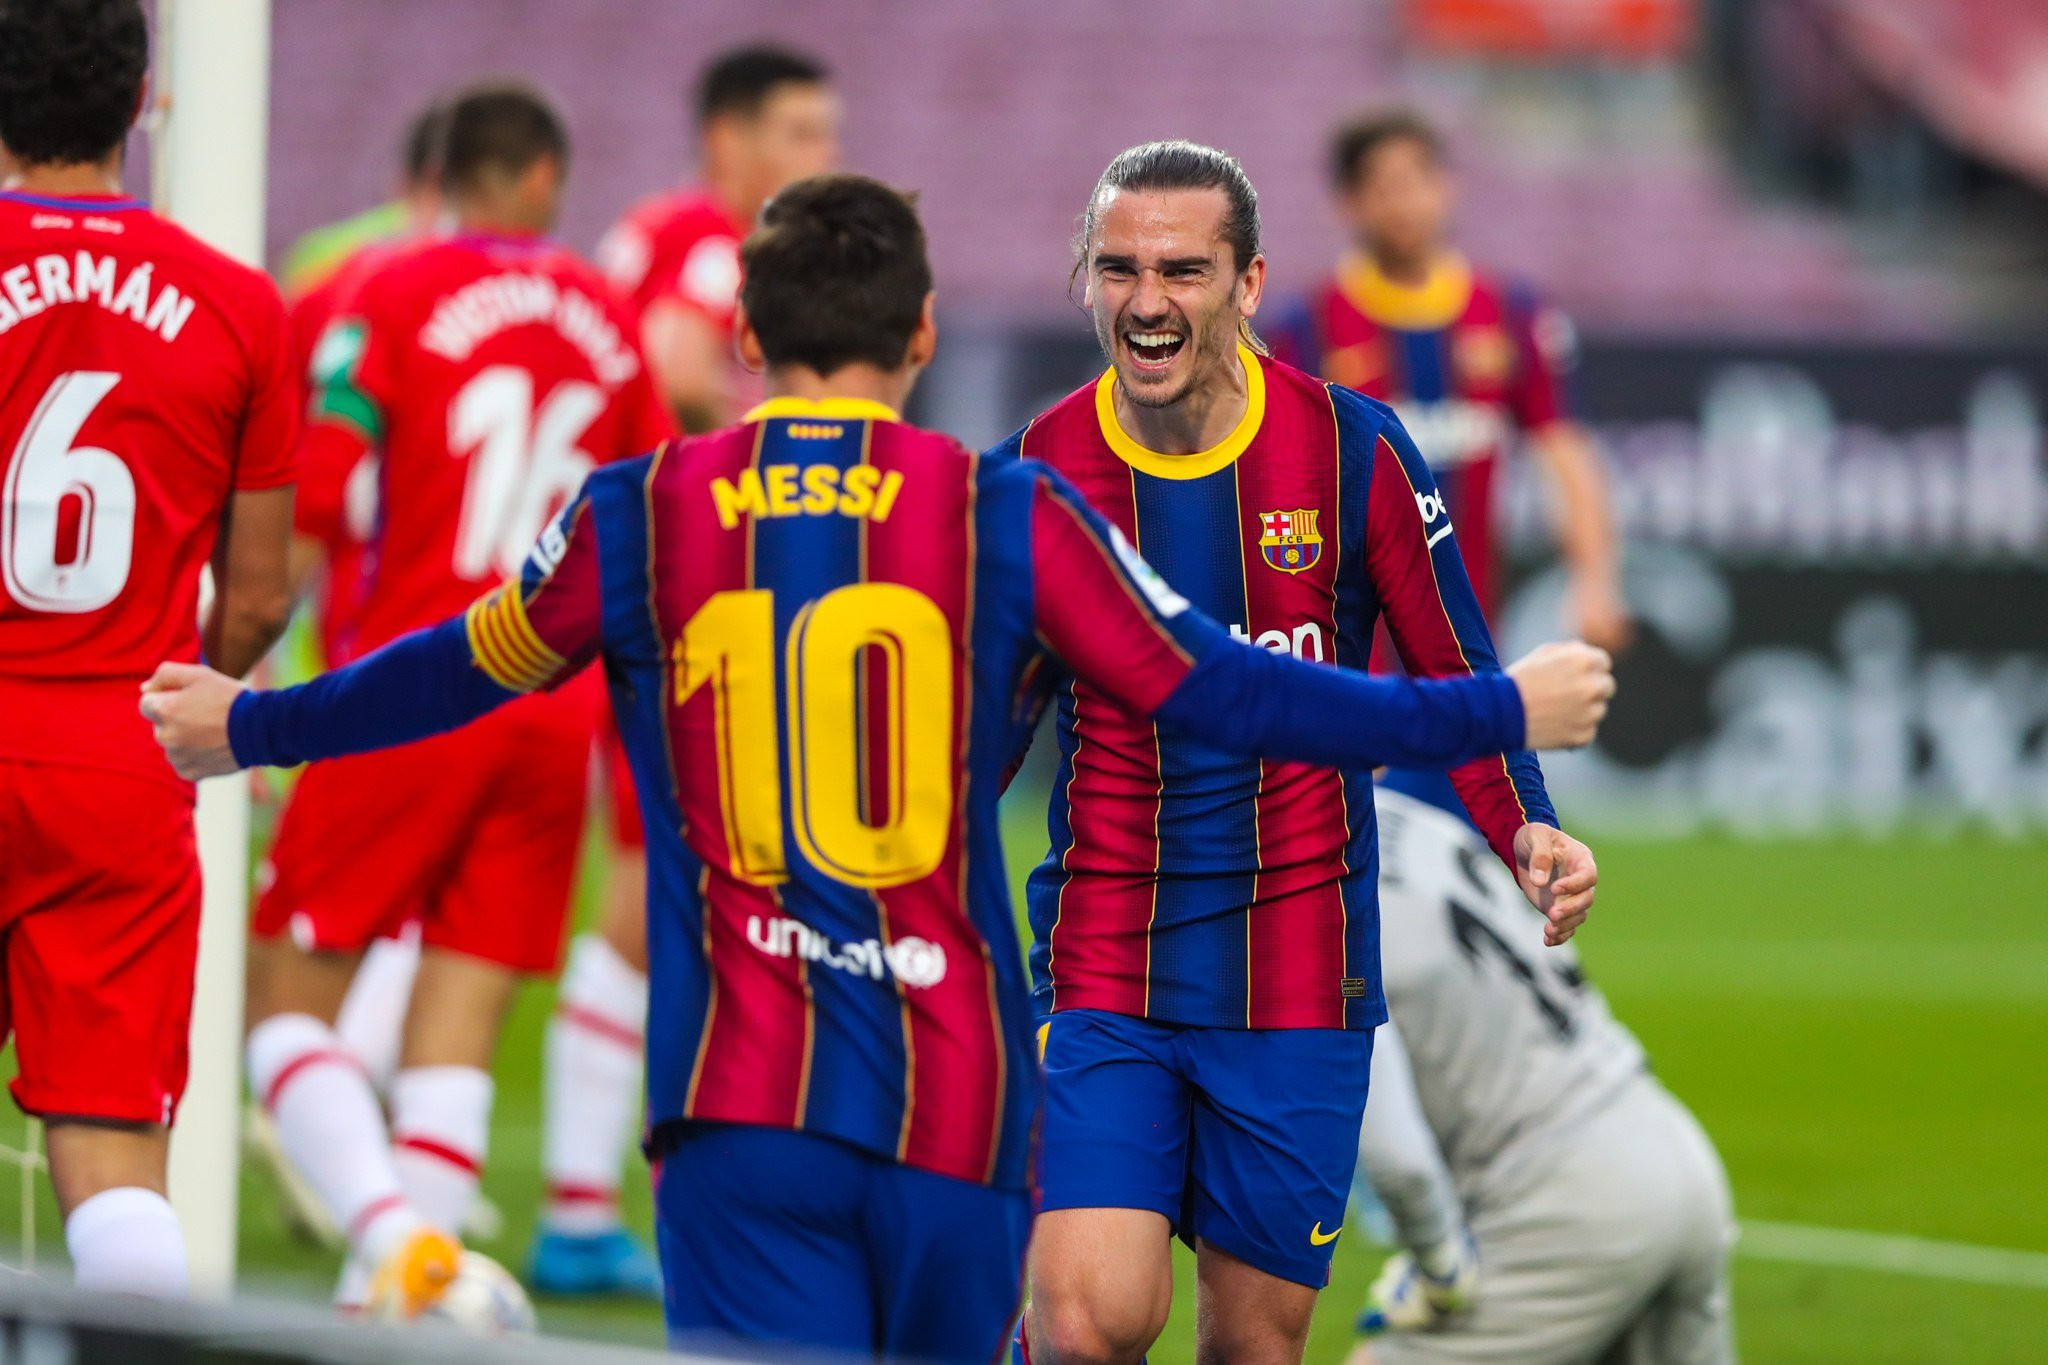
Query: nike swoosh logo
[(1323, 1239)]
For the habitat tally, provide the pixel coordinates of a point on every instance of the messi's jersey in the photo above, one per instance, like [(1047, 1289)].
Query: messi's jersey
[(1464, 361), (1193, 886), (824, 632)]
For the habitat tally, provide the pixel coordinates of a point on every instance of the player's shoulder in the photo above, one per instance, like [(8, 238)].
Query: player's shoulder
[(138, 237), (676, 218), (567, 266), (625, 478), (243, 299), (1293, 393), (1070, 425), (396, 268), (1503, 295)]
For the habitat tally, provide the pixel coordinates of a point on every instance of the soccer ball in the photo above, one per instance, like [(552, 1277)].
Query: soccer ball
[(483, 1300)]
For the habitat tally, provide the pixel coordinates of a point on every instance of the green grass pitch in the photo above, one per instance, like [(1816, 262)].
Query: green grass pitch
[(1858, 1024)]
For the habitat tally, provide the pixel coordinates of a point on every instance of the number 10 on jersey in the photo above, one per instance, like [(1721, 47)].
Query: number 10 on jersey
[(869, 629)]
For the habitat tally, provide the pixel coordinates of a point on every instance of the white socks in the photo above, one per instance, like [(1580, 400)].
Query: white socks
[(372, 1018), (329, 1123), (593, 1086), (440, 1128), (127, 1241)]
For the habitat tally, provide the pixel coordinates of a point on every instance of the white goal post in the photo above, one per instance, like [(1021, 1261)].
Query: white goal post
[(213, 70)]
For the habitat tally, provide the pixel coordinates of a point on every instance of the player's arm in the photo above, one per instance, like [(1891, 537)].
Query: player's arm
[(1417, 574), (1582, 520), (688, 357), (1581, 510), (1399, 1155), (350, 379), (1436, 1273), (1111, 619), (252, 587), (527, 634)]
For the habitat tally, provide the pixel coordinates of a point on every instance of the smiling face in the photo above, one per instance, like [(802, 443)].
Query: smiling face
[(1166, 291)]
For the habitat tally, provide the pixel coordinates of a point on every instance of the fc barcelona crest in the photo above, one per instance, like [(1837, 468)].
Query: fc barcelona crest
[(1289, 540)]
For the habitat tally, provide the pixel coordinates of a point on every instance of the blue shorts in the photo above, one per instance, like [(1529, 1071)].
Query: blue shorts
[(778, 1239), (1241, 1138)]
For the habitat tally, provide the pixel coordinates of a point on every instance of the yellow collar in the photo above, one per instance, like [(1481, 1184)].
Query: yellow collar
[(1436, 302), (1202, 462), (845, 409)]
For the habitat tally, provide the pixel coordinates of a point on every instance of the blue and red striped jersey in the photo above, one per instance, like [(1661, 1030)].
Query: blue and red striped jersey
[(826, 636), (821, 664), (1192, 885), (1465, 360)]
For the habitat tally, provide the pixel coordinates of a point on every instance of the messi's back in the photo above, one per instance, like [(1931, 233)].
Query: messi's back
[(816, 695)]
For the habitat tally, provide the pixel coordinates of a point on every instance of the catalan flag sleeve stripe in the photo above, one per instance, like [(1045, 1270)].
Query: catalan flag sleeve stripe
[(535, 630)]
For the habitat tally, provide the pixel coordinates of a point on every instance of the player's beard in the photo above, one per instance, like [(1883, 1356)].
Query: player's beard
[(1211, 343)]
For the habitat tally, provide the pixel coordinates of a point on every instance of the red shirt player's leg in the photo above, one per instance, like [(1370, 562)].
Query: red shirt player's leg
[(100, 958)]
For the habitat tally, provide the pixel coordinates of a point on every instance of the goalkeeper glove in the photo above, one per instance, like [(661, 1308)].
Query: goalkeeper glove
[(1416, 1293)]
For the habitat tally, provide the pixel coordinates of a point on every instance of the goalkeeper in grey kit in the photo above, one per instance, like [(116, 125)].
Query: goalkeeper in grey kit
[(1554, 1202)]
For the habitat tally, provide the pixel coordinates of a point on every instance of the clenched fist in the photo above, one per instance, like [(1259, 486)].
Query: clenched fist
[(188, 705), (1564, 688)]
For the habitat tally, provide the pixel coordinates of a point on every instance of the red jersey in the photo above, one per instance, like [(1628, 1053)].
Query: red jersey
[(345, 527), (1465, 361), (492, 374), (144, 377), (682, 246)]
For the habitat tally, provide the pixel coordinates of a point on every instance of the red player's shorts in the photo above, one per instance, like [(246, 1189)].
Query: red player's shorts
[(99, 927), (625, 802), (474, 833)]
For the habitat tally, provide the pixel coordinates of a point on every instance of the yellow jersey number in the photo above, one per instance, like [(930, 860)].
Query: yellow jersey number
[(729, 646)]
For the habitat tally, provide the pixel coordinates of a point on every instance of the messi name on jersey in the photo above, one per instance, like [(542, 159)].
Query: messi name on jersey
[(1289, 540)]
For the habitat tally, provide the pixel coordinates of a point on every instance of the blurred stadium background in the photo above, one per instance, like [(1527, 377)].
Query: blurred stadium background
[(1805, 243)]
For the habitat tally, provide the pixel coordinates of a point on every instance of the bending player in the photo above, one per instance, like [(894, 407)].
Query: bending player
[(1556, 1204), (765, 117), (1205, 956), (490, 369), (824, 632), (148, 416)]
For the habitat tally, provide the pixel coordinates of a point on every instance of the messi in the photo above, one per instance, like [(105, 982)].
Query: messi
[(815, 490)]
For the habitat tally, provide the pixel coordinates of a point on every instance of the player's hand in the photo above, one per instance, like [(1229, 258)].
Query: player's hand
[(1564, 688), (1417, 1294), (1602, 618), (188, 704), (1558, 875)]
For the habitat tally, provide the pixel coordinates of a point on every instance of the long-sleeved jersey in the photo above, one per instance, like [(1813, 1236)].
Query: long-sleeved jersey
[(1194, 886), (824, 632)]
